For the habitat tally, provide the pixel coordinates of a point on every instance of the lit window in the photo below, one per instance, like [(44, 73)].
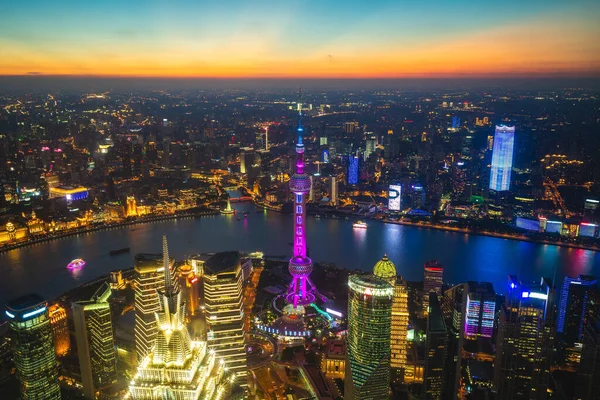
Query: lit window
[(299, 210), (298, 219), (298, 198)]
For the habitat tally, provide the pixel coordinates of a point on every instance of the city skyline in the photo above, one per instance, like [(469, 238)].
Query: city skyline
[(302, 40)]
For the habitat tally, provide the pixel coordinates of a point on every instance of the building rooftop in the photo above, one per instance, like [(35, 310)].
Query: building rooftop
[(384, 268), (26, 302), (222, 262)]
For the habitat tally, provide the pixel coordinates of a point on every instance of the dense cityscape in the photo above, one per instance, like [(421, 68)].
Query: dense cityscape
[(517, 165)]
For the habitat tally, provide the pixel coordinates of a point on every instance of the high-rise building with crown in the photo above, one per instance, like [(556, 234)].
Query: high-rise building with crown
[(502, 158), (177, 367), (33, 349)]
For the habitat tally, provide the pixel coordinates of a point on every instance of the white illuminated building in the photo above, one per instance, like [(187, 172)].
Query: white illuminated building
[(177, 367)]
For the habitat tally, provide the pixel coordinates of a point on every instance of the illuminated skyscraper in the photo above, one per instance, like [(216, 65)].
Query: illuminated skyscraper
[(480, 311), (353, 170), (60, 329), (369, 330), (95, 342), (333, 191), (223, 300), (433, 282), (525, 341), (177, 367), (33, 349), (385, 269), (577, 298), (435, 351), (588, 376), (502, 157), (149, 272), (301, 290)]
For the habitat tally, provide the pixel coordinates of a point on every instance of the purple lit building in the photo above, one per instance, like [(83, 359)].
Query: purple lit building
[(481, 310), (301, 291)]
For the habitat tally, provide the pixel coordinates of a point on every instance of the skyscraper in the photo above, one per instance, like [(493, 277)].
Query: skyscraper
[(353, 170), (95, 342), (176, 366), (301, 290), (481, 310), (60, 329), (435, 351), (385, 269), (577, 298), (333, 191), (223, 294), (149, 271), (588, 376), (33, 349), (369, 329), (525, 341), (433, 282), (502, 157)]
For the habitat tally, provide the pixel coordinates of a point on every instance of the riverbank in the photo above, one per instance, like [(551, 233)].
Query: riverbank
[(105, 227), (521, 238)]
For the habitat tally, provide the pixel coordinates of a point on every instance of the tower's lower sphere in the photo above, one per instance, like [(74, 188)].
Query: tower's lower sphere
[(300, 267), (300, 183)]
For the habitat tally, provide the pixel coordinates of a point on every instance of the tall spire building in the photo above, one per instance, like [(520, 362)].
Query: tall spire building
[(301, 291)]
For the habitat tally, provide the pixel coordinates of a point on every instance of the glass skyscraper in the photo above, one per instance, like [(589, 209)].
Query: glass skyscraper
[(436, 348), (95, 342), (576, 298), (369, 328), (33, 350), (481, 310), (433, 282), (502, 157), (353, 170)]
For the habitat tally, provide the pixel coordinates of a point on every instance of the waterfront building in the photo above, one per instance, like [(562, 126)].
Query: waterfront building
[(525, 341), (223, 301), (333, 191), (502, 158), (480, 311), (433, 282), (177, 367), (370, 302), (588, 376), (95, 342), (385, 269), (149, 271), (576, 307), (60, 329), (33, 348), (301, 291), (131, 207), (69, 192), (435, 351)]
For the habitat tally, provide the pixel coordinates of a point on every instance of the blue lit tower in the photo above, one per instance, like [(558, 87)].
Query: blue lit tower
[(353, 170), (577, 296), (502, 156), (301, 290)]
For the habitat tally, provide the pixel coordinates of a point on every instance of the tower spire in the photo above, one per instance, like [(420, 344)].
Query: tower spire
[(166, 262)]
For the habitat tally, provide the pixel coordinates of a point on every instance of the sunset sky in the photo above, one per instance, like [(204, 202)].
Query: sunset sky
[(304, 38)]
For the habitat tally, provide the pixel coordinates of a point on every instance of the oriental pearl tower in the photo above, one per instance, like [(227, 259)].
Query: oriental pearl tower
[(301, 290)]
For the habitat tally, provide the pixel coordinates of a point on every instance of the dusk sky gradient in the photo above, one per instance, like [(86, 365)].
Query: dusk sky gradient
[(304, 38)]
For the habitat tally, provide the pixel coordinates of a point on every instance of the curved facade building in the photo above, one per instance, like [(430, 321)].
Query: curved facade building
[(502, 157), (33, 350), (369, 328)]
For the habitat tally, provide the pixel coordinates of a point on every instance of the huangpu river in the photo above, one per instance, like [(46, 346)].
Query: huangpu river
[(42, 268)]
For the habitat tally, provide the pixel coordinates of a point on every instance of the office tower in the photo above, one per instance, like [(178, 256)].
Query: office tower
[(435, 351), (177, 367), (149, 270), (333, 191), (502, 157), (60, 329), (434, 279), (95, 342), (223, 300), (588, 376), (369, 329), (370, 146), (246, 160), (385, 269), (454, 311), (323, 141), (131, 206), (590, 210), (577, 299), (525, 341), (481, 310), (33, 349), (301, 290), (353, 170), (350, 127)]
